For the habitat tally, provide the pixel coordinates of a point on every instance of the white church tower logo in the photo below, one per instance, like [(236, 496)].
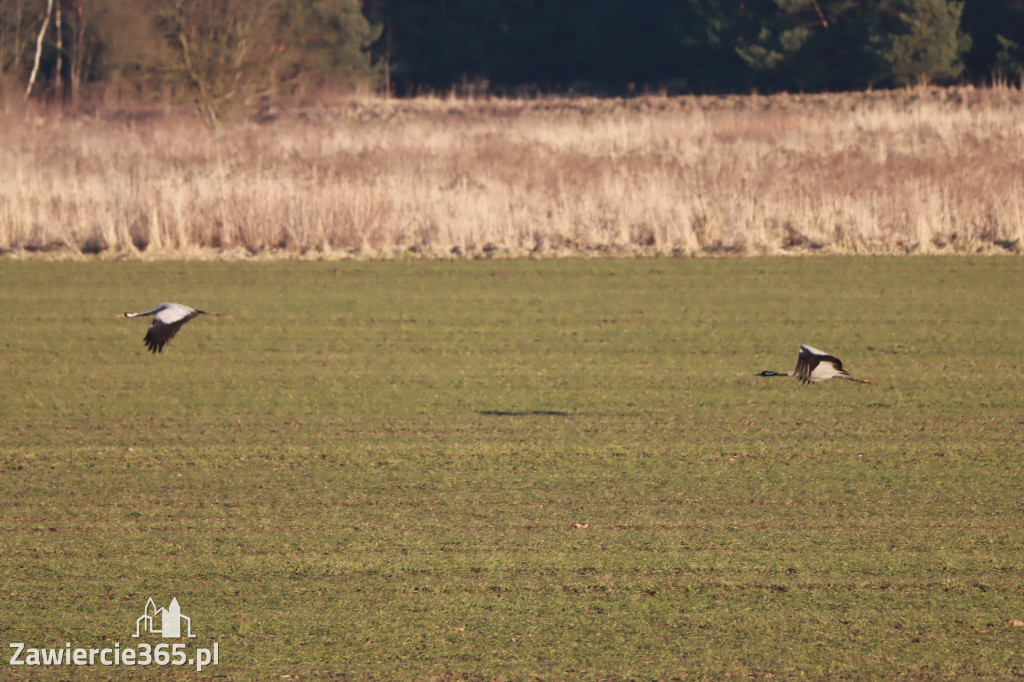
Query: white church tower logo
[(164, 622)]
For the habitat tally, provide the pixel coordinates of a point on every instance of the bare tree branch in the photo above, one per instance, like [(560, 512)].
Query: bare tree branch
[(821, 15), (39, 49)]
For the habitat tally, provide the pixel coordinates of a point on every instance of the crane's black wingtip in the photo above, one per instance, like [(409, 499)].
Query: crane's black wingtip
[(153, 346)]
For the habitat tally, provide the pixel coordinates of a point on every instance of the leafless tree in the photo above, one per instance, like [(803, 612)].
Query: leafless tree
[(39, 49), (12, 20), (225, 48)]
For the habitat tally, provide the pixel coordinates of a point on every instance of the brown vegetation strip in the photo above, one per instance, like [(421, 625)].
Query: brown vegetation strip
[(910, 171)]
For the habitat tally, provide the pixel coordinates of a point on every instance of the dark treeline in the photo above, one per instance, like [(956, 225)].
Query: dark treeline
[(219, 54), (621, 46)]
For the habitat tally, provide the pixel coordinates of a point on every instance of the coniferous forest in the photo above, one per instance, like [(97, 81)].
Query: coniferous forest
[(217, 54)]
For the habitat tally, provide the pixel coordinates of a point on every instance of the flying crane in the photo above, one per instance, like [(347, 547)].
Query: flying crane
[(168, 318), (813, 365)]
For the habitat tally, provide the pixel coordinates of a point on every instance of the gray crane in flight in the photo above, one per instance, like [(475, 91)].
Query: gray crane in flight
[(813, 365)]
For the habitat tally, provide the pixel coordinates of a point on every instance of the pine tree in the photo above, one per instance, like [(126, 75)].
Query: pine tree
[(814, 45), (996, 28), (1010, 58), (927, 46), (324, 44)]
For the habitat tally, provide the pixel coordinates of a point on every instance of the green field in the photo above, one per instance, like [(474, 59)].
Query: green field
[(520, 469)]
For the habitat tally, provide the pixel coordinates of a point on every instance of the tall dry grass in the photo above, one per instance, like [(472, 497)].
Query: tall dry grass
[(914, 171)]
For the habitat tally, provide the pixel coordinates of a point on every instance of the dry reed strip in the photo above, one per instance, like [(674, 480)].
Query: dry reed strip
[(914, 171)]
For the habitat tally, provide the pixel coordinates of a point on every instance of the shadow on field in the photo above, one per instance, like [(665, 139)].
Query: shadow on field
[(524, 413)]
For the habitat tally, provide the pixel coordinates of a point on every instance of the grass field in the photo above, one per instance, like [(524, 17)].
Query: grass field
[(520, 469)]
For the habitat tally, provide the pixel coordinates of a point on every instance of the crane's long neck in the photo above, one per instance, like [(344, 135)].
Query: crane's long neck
[(154, 311), (769, 373)]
